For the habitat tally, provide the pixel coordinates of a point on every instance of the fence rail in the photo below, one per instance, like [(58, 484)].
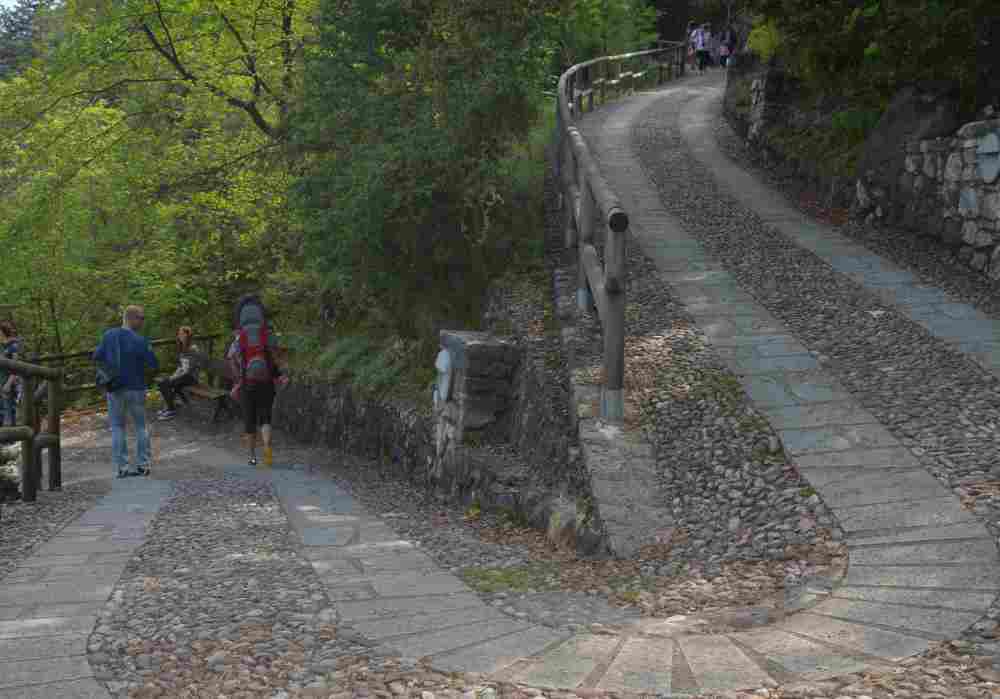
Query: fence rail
[(31, 436), (586, 198), (73, 364)]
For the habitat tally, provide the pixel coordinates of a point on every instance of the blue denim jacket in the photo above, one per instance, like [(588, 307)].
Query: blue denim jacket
[(136, 355)]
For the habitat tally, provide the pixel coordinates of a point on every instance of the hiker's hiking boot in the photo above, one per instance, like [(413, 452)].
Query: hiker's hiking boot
[(252, 461), (167, 414), (268, 457)]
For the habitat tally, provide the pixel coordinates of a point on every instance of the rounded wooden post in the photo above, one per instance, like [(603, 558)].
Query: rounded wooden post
[(585, 230), (55, 429), (29, 465), (613, 398)]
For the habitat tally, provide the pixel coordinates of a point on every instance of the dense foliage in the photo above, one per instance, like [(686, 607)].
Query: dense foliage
[(871, 48), (377, 157)]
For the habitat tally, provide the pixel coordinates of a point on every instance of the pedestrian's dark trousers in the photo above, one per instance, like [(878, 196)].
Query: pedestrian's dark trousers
[(170, 387), (702, 59)]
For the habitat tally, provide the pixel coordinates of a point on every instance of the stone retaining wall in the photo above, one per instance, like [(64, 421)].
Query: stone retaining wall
[(494, 440), (945, 187), (758, 96)]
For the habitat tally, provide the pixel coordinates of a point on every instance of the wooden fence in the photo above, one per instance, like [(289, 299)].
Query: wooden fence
[(586, 198), (76, 365), (33, 440)]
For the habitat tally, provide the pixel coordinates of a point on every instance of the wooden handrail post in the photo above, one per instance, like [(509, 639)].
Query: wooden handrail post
[(29, 467), (55, 430), (584, 193), (585, 228)]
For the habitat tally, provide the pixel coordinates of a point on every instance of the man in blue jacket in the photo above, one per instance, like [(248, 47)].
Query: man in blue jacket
[(129, 353)]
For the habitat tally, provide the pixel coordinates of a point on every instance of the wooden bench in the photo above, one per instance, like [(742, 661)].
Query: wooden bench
[(217, 371)]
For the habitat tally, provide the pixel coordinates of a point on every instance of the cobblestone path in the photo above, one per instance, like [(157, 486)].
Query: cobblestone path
[(881, 391)]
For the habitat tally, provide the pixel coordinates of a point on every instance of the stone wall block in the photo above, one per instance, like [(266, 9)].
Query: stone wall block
[(968, 203), (991, 205), (953, 167)]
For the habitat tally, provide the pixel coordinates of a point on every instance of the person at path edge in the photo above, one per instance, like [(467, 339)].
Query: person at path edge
[(127, 355), (255, 372), (185, 375)]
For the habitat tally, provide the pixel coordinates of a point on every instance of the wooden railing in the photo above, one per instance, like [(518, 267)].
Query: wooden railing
[(586, 197), (80, 363), (33, 440)]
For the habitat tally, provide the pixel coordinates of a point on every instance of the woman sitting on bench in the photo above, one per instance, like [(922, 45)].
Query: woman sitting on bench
[(185, 375)]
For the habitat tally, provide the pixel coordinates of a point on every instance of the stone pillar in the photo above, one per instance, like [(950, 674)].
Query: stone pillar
[(474, 398)]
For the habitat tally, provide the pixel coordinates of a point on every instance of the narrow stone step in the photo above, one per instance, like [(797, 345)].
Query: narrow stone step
[(719, 665), (643, 665), (976, 551), (963, 577), (913, 513), (941, 623), (452, 639), (497, 654), (872, 487), (855, 639), (892, 535), (969, 601), (568, 664), (74, 689), (22, 673), (804, 658), (420, 623)]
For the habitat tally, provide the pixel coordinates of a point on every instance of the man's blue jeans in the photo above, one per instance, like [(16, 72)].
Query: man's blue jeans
[(8, 410), (129, 403)]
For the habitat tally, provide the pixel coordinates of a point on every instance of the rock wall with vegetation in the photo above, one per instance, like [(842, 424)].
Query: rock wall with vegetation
[(918, 167), (945, 187)]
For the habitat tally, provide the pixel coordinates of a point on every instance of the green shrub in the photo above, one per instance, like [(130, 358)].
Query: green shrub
[(765, 39)]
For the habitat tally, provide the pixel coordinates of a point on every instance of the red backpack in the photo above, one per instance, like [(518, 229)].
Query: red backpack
[(257, 364)]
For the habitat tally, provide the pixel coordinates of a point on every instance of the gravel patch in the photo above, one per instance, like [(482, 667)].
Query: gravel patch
[(217, 599)]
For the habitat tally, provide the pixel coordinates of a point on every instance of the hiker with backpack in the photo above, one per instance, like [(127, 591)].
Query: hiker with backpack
[(122, 359), (255, 372)]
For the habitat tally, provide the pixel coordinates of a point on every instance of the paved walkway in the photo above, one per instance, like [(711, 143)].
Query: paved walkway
[(922, 568), (956, 323)]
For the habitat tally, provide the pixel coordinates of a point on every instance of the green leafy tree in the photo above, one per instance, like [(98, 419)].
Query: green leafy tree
[(410, 107)]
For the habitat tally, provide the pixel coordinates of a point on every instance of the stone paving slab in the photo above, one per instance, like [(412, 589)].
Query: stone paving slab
[(19, 673), (962, 530), (717, 664), (975, 551), (802, 657), (854, 638), (444, 640), (401, 606), (84, 590), (569, 664), (957, 577), (888, 457), (965, 601), (419, 623), (498, 654), (817, 415), (846, 489), (942, 623), (833, 437), (643, 665), (42, 647), (75, 689), (46, 626), (911, 513)]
